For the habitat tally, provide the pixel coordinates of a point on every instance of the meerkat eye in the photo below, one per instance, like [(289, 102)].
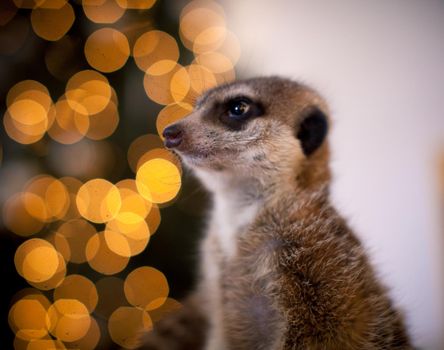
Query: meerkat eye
[(238, 108), (237, 111)]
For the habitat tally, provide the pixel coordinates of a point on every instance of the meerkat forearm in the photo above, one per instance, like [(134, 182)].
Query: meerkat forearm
[(184, 329)]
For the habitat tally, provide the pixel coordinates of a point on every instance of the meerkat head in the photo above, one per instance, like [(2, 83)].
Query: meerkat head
[(266, 128)]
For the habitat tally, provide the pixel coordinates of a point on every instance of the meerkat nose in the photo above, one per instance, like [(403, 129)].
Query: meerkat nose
[(173, 136)]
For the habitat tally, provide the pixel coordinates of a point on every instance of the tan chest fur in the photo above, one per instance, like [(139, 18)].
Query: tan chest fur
[(298, 276)]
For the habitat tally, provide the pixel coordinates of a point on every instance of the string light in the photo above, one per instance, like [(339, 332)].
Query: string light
[(102, 11), (107, 50), (52, 23), (68, 319), (127, 325), (84, 218), (136, 4), (146, 288)]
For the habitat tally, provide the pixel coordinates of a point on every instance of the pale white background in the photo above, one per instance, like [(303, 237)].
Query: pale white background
[(380, 64)]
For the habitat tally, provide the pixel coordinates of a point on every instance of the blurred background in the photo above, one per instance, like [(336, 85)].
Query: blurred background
[(99, 223)]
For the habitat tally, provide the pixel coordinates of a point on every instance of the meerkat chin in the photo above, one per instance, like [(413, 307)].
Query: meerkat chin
[(280, 268)]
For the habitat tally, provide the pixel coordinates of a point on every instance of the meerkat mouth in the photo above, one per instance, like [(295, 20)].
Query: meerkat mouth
[(194, 158)]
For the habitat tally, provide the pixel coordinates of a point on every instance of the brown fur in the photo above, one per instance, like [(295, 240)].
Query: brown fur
[(298, 277)]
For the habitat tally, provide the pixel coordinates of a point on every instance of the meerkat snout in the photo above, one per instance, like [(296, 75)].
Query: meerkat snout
[(173, 135), (266, 126)]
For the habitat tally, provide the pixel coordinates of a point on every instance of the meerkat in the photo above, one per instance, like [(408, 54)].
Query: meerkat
[(280, 268)]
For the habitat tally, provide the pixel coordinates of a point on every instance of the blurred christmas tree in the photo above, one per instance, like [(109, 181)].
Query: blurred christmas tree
[(99, 222)]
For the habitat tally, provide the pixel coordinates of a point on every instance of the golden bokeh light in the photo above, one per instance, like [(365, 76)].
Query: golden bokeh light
[(36, 260), (29, 90), (17, 135), (153, 219), (102, 11), (231, 47), (30, 112), (127, 235), (136, 4), (29, 117), (104, 123), (197, 17), (132, 201), (158, 180), (68, 320), (209, 39), (89, 341), (161, 153), (52, 24), (101, 258), (207, 4), (46, 198), (88, 92), (201, 78), (155, 46), (45, 344), (117, 243), (140, 146), (51, 4), (70, 125), (180, 84), (226, 77), (171, 114), (56, 198), (56, 279), (31, 293), (161, 67), (126, 325), (35, 206), (61, 243), (107, 50), (20, 344), (72, 185), (26, 121), (80, 288), (167, 88), (215, 62), (129, 224), (40, 264), (146, 287), (98, 200), (17, 219), (111, 296), (71, 239), (128, 184), (81, 218), (27, 4), (27, 318), (169, 306)]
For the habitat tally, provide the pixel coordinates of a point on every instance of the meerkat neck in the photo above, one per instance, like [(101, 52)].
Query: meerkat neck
[(315, 171), (236, 201)]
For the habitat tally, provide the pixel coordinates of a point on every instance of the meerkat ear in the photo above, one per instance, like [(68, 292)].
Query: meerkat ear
[(312, 131)]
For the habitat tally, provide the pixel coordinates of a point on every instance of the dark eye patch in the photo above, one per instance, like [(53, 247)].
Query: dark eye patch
[(235, 112)]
